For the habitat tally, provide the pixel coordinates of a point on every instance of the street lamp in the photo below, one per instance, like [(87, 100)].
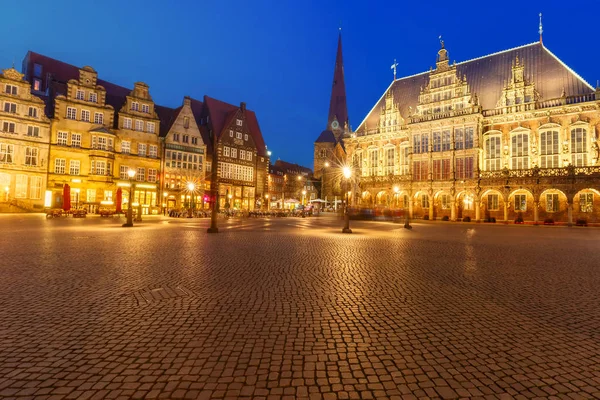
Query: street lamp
[(129, 223), (191, 187), (164, 204), (323, 182), (347, 173)]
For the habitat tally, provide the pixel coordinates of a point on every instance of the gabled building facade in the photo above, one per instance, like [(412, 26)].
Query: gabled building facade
[(138, 129), (183, 156), (24, 145), (82, 143), (510, 136), (242, 158)]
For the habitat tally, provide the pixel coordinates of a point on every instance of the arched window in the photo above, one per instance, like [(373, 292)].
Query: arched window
[(579, 147), (549, 149), (493, 157), (520, 150)]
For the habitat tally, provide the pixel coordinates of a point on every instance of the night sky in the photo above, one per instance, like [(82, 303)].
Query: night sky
[(278, 56)]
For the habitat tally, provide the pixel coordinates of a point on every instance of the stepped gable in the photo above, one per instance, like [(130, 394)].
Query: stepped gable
[(487, 76), (221, 113)]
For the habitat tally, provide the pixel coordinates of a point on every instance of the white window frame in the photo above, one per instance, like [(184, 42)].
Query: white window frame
[(85, 115), (141, 149), (93, 97), (127, 123), (7, 153), (578, 136), (62, 138), (550, 147), (520, 202), (151, 128), (493, 152), (71, 113), (35, 187), (74, 167), (99, 118), (519, 149), (75, 139), (32, 156), (80, 94), (153, 151), (139, 125), (60, 166)]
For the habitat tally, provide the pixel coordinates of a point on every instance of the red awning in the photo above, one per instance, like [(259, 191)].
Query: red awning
[(66, 197), (119, 200)]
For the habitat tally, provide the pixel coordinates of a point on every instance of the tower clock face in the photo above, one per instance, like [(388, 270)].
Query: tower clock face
[(335, 125)]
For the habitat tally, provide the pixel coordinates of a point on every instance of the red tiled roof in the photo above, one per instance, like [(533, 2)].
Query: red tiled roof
[(167, 117), (221, 113)]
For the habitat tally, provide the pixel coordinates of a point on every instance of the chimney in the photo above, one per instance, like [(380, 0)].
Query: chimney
[(243, 106), (187, 101)]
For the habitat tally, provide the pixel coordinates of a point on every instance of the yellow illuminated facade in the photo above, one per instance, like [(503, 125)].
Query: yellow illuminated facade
[(24, 134)]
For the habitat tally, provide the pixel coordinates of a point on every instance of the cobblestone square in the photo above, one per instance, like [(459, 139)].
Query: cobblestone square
[(292, 308)]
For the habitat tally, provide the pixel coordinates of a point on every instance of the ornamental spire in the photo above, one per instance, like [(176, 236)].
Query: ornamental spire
[(338, 111), (541, 30)]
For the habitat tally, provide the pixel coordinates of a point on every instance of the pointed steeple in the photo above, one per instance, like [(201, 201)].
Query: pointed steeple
[(338, 111)]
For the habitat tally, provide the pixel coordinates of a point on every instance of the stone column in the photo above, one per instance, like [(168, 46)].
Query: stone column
[(453, 210), (410, 207), (536, 212), (477, 211), (570, 214), (430, 208), (506, 212)]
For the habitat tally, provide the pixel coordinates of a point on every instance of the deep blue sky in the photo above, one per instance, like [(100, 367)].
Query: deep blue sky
[(278, 55)]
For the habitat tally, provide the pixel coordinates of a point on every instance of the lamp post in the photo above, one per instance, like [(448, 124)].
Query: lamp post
[(323, 182), (267, 201), (191, 187), (347, 173), (165, 195), (129, 223), (303, 197)]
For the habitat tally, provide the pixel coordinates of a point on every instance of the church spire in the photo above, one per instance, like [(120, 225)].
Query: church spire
[(338, 111)]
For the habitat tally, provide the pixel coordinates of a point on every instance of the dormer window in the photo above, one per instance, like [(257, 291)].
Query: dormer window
[(146, 108), (80, 95), (135, 106), (10, 89), (93, 98), (238, 122)]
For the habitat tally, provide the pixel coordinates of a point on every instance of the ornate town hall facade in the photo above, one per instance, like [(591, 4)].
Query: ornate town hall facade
[(506, 136)]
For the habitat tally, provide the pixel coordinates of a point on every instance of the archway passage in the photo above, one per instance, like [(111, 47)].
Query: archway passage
[(586, 206)]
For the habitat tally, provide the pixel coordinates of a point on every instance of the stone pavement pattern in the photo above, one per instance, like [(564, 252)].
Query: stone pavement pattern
[(293, 309)]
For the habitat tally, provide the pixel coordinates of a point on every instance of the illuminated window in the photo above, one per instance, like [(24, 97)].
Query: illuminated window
[(146, 108), (242, 155), (93, 98), (85, 115), (71, 113), (549, 149), (127, 123), (492, 202), (60, 165), (493, 158), (75, 140), (446, 140), (578, 147), (249, 155), (445, 201), (151, 175), (233, 153), (437, 141), (425, 201), (21, 188), (135, 106), (520, 202), (520, 151), (80, 95), (141, 174), (125, 147), (99, 118), (390, 158), (150, 126), (74, 167), (238, 135), (123, 169), (35, 187), (139, 125), (37, 84), (373, 162), (552, 202), (246, 137), (238, 122), (62, 138), (142, 149), (586, 202)]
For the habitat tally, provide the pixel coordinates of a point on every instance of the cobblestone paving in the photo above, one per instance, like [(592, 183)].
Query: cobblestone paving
[(292, 308)]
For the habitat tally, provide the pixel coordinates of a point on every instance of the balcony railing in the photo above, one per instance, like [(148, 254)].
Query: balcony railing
[(538, 105)]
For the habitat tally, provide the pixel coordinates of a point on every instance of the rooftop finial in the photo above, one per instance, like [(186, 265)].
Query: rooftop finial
[(441, 41), (393, 67), (541, 30)]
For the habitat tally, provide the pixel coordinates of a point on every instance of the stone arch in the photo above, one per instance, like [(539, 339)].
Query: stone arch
[(442, 204), (465, 203), (382, 198), (421, 200), (586, 205), (492, 204), (553, 204), (366, 198)]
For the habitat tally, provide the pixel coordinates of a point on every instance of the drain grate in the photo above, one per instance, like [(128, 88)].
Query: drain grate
[(160, 293)]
